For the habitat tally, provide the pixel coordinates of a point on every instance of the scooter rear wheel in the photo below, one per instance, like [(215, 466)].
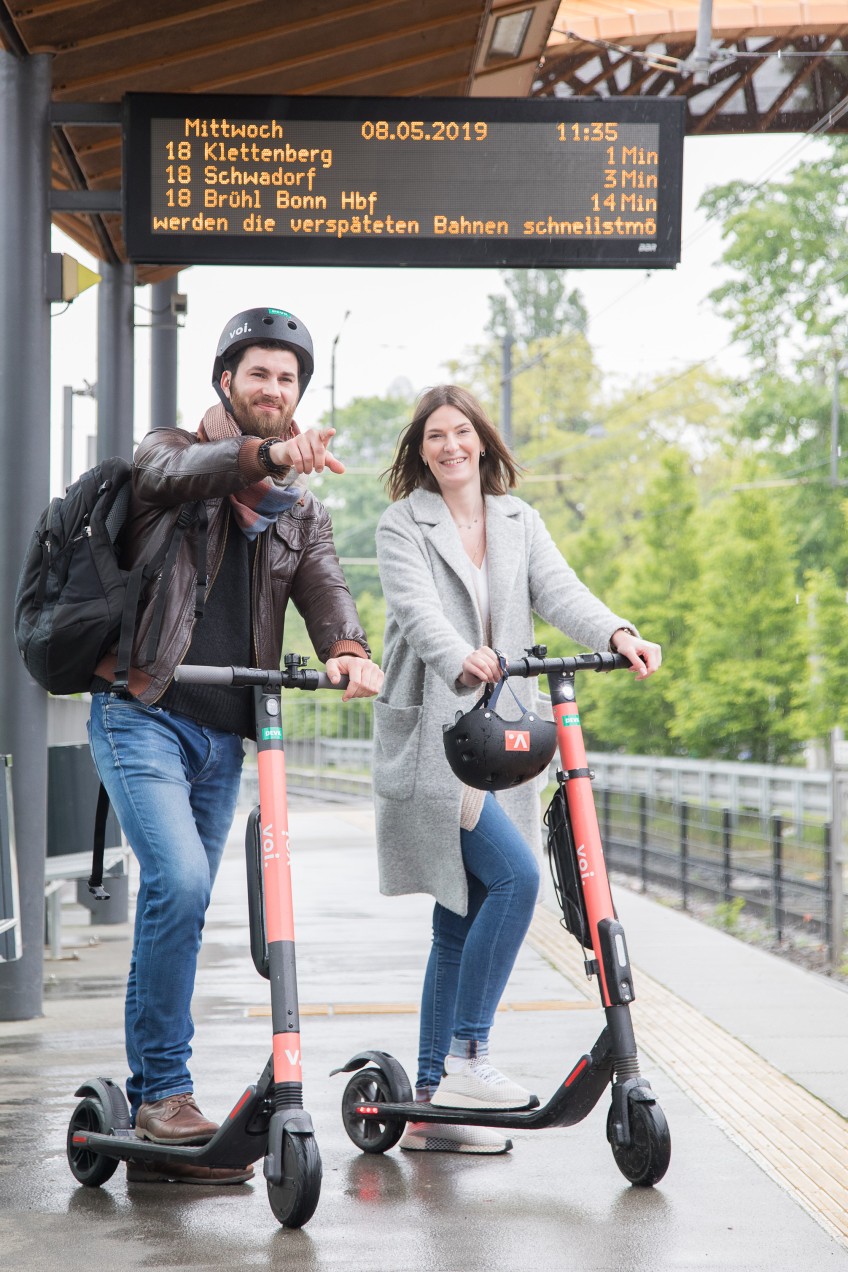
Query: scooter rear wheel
[(645, 1159), (88, 1167), (373, 1086), (294, 1199)]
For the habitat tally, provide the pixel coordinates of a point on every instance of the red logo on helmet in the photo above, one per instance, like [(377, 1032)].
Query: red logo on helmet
[(517, 740)]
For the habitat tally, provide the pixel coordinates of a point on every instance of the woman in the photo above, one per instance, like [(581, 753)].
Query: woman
[(463, 564)]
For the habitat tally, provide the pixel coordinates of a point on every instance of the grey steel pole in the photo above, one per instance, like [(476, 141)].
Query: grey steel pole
[(67, 435), (163, 354), (333, 370), (115, 361), (837, 849), (24, 484), (700, 63), (834, 423), (506, 388)]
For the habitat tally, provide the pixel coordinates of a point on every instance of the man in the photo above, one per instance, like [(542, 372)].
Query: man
[(170, 754)]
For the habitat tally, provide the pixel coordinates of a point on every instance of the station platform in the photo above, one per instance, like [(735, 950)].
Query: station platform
[(746, 1052)]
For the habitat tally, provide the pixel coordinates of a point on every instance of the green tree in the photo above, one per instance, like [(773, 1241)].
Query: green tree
[(742, 692), (535, 304), (657, 591), (366, 435), (828, 607), (787, 296)]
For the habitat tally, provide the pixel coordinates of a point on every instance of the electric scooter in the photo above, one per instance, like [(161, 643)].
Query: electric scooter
[(268, 1120), (377, 1101)]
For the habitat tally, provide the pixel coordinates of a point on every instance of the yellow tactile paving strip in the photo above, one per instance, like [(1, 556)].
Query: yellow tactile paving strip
[(795, 1138), (411, 1009)]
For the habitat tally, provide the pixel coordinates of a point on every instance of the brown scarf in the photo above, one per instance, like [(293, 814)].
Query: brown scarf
[(257, 506)]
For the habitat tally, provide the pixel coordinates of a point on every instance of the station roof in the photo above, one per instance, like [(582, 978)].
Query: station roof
[(773, 65), (102, 49)]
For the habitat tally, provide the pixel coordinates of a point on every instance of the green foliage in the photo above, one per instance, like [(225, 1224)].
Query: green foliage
[(829, 647), (788, 253), (728, 913), (656, 590), (741, 693), (366, 436), (535, 304)]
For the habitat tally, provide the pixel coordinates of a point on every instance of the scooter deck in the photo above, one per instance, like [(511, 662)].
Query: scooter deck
[(240, 1140), (570, 1103)]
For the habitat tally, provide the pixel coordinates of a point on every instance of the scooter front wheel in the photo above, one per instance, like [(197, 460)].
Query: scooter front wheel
[(373, 1086), (294, 1199), (88, 1167), (645, 1159)]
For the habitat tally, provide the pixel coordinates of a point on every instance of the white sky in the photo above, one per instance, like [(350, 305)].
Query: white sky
[(409, 322)]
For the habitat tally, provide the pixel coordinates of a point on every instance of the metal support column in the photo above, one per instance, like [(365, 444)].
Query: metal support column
[(506, 388), (163, 354), (115, 353), (24, 483)]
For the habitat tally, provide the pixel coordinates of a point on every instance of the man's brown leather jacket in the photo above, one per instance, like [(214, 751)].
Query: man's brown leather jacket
[(296, 559)]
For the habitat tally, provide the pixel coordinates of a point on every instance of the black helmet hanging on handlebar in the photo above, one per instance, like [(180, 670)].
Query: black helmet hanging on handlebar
[(253, 326), (492, 754)]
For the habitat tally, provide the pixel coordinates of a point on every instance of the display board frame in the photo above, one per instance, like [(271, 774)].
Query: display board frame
[(492, 154)]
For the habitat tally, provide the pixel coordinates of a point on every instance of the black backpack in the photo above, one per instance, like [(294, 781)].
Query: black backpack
[(74, 600)]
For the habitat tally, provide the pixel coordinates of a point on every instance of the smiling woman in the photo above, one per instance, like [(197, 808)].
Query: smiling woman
[(464, 564)]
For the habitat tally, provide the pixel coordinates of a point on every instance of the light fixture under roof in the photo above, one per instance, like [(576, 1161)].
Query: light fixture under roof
[(509, 35)]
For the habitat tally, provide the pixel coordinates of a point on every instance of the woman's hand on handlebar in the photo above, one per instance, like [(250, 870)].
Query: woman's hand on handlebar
[(480, 668), (365, 678), (644, 656)]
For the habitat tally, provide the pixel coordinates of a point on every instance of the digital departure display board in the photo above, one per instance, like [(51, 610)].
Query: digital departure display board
[(399, 181)]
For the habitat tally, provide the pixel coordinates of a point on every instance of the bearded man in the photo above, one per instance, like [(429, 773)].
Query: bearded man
[(170, 754)]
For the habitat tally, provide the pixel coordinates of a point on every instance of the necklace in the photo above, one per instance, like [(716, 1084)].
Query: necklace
[(463, 525), (480, 544)]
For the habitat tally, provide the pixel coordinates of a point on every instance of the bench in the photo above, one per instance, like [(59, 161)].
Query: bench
[(74, 866), (72, 790), (10, 913)]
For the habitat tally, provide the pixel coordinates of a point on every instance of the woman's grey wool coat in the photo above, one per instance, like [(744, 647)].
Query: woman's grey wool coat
[(433, 623)]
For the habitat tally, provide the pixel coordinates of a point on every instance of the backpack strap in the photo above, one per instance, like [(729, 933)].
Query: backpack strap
[(95, 882)]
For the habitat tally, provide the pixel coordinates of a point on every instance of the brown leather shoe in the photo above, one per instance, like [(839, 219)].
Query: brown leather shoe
[(146, 1173), (174, 1120)]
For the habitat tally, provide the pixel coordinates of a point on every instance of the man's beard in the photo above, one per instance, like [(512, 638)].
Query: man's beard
[(260, 423)]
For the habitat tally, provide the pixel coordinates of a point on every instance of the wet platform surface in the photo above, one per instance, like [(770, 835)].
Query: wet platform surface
[(736, 1043)]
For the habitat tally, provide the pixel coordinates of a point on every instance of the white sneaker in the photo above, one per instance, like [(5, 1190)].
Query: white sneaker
[(476, 1084), (433, 1137)]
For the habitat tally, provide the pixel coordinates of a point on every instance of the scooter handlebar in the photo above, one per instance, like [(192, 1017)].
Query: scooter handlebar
[(238, 677), (539, 665)]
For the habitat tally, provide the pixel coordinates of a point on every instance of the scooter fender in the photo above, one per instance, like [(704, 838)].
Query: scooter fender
[(639, 1091), (382, 1060), (284, 1122), (111, 1098)]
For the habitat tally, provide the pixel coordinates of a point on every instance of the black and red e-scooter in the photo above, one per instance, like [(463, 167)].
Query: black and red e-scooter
[(268, 1120), (377, 1102)]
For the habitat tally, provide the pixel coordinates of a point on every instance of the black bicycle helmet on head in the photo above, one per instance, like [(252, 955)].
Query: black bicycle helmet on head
[(492, 754), (251, 327)]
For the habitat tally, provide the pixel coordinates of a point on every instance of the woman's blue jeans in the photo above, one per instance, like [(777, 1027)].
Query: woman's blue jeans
[(174, 786), (472, 955)]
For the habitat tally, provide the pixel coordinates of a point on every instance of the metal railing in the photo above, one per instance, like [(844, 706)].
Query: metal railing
[(779, 870), (733, 835)]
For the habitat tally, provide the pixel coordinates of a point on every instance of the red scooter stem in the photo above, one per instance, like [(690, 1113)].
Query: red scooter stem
[(584, 819), (277, 887)]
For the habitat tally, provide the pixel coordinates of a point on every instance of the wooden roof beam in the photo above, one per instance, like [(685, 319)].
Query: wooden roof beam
[(194, 54), (201, 13), (794, 84)]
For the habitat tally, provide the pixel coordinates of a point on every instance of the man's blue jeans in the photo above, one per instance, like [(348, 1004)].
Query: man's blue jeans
[(472, 955), (174, 786)]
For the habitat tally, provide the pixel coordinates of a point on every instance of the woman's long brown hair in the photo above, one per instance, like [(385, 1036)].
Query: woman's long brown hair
[(407, 471)]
